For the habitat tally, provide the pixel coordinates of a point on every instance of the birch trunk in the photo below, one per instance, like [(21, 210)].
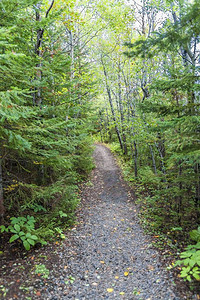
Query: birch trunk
[(111, 106)]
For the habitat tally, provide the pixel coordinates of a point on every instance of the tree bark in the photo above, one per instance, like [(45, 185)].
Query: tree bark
[(121, 112), (111, 107), (2, 208), (153, 160), (37, 98), (197, 196)]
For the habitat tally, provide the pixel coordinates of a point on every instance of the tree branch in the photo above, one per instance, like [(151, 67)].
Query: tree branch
[(50, 7)]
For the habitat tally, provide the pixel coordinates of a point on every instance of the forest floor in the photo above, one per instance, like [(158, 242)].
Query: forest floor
[(106, 255)]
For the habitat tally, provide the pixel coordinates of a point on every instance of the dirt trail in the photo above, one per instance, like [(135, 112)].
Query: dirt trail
[(107, 255)]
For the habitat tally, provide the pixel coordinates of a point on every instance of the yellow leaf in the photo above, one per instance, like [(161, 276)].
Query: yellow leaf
[(109, 290), (126, 273), (151, 268), (102, 262), (116, 277), (121, 293)]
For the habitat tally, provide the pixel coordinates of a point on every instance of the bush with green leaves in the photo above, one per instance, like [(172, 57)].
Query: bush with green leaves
[(23, 230), (190, 259), (195, 234), (190, 263)]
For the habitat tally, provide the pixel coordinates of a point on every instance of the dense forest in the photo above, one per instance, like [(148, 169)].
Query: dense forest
[(124, 73)]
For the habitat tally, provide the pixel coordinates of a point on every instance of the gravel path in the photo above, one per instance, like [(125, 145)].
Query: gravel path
[(107, 255)]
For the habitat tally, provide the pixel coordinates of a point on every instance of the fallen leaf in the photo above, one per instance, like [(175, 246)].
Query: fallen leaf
[(126, 273), (151, 268), (109, 290), (102, 262), (121, 293), (116, 277)]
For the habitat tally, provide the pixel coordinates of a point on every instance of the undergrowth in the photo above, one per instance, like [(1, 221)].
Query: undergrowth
[(51, 206)]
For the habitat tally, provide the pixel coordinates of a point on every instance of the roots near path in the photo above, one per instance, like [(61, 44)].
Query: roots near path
[(106, 256)]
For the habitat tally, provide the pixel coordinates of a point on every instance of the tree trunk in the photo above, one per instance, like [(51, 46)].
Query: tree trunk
[(197, 196), (37, 98), (101, 126), (108, 125), (153, 160), (121, 112), (135, 159), (111, 107), (2, 209)]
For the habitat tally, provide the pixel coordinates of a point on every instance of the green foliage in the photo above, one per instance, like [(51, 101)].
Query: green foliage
[(42, 270), (45, 100), (23, 229), (70, 280), (195, 234), (154, 104), (190, 263), (147, 177), (60, 232)]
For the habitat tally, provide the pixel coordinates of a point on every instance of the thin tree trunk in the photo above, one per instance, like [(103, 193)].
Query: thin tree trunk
[(131, 113), (197, 196), (101, 126), (135, 159), (180, 196), (161, 161), (2, 209), (121, 113), (37, 98), (108, 125), (111, 107), (153, 160)]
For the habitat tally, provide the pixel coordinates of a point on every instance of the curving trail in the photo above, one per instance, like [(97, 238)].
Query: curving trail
[(107, 255)]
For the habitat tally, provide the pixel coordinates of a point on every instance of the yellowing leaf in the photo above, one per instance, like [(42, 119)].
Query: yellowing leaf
[(109, 290), (151, 268), (121, 293), (116, 277), (126, 273)]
